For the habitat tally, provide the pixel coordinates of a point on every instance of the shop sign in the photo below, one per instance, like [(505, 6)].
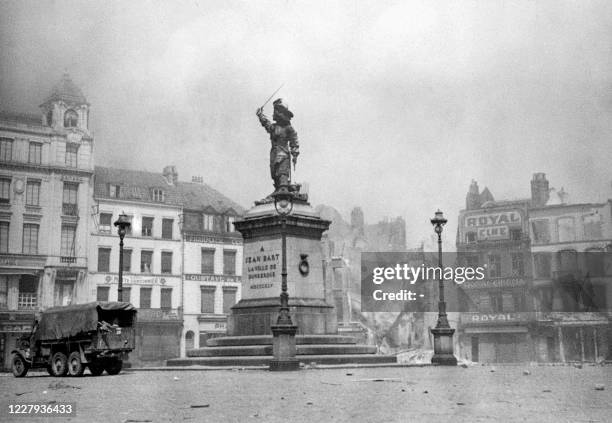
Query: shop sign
[(212, 278), (213, 326), (494, 283), (9, 260), (207, 239), (494, 232), (156, 315), (16, 328), (129, 280), (493, 219), (492, 318)]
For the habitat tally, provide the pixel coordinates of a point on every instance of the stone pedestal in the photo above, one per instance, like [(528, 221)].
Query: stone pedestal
[(443, 347), (258, 308), (284, 348)]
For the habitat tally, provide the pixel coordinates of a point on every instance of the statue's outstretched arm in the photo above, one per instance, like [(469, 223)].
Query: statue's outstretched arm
[(265, 122)]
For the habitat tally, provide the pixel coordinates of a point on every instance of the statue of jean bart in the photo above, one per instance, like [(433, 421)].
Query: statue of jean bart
[(285, 147)]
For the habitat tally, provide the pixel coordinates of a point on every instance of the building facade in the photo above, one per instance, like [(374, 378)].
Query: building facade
[(496, 312), (212, 262), (572, 246), (152, 257), (46, 169)]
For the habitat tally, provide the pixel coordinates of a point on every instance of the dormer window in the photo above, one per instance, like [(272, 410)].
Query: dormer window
[(158, 195), (114, 191), (70, 119), (50, 118)]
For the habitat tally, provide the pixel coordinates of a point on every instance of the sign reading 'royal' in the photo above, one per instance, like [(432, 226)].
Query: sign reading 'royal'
[(493, 219)]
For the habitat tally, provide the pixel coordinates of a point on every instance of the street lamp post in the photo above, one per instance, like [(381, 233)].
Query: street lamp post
[(283, 345), (443, 333), (122, 224)]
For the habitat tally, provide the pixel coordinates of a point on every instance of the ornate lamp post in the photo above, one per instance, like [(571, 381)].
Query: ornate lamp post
[(284, 331), (122, 224), (443, 333)]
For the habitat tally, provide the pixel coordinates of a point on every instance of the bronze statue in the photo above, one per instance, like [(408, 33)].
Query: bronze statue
[(285, 147)]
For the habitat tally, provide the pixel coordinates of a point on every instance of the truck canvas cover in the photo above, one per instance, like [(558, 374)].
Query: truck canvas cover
[(69, 321)]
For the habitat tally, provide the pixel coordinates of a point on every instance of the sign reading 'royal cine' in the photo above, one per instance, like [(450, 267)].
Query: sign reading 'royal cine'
[(494, 225)]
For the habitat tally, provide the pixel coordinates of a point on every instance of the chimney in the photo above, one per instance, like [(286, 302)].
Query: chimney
[(171, 175), (197, 179), (472, 199), (540, 191)]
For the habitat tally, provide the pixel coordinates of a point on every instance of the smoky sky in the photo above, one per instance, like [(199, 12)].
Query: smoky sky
[(398, 104)]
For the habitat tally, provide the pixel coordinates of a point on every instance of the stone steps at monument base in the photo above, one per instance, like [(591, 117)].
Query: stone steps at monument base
[(304, 349), (228, 341), (239, 361)]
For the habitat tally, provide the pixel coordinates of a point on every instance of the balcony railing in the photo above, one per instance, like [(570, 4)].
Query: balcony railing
[(70, 209), (27, 301)]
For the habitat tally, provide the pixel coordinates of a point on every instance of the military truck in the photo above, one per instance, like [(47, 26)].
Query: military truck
[(65, 340)]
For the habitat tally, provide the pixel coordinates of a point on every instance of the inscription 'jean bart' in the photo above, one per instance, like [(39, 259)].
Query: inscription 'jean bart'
[(285, 146)]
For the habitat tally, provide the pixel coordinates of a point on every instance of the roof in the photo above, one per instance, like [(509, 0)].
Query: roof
[(137, 185), (196, 196), (24, 118), (67, 91)]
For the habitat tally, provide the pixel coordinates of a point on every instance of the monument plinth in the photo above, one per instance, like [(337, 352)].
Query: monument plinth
[(258, 309)]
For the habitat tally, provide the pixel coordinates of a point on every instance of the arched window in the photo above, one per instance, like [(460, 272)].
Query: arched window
[(70, 119), (189, 340)]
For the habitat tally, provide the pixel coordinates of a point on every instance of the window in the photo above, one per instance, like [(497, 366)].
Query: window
[(4, 237), (471, 261), (192, 222), (105, 222), (35, 153), (33, 193), (114, 191), (516, 234), (229, 298), (71, 119), (6, 149), (229, 224), (166, 262), (28, 287), (470, 237), (145, 297), (128, 229), (518, 268), (208, 299), (592, 226), (541, 263), (104, 259), (565, 226), (147, 226), (69, 199), (594, 261), (209, 222), (541, 231), (71, 154), (5, 190), (166, 298), (102, 293), (167, 228), (494, 266), (158, 195), (229, 262), (3, 291), (208, 261), (146, 258), (30, 238), (50, 118), (68, 238), (127, 260), (496, 302), (63, 292), (189, 340), (126, 294)]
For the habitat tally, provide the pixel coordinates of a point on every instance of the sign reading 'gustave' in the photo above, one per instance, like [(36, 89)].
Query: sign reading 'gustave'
[(261, 269)]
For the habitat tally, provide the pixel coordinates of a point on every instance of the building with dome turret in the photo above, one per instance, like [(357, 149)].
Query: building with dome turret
[(46, 171)]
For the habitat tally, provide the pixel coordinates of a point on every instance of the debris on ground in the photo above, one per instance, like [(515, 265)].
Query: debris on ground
[(425, 392), (176, 378), (526, 372), (546, 390), (578, 365), (22, 393), (62, 385), (460, 403), (349, 374), (200, 405), (380, 379), (416, 356), (599, 387), (465, 366), (309, 403)]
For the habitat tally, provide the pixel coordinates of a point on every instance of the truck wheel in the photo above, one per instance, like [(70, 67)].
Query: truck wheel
[(59, 364), (114, 367), (96, 369), (50, 370), (75, 365), (20, 366)]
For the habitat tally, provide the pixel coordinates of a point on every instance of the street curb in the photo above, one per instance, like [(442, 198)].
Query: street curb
[(307, 367)]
